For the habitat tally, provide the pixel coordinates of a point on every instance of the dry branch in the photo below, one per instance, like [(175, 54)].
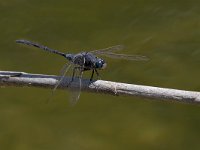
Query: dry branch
[(11, 78)]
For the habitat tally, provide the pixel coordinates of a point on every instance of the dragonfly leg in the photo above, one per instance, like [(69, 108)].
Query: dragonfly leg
[(92, 75), (74, 71), (97, 73)]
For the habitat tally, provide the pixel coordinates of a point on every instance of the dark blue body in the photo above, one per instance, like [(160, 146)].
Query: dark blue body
[(86, 60)]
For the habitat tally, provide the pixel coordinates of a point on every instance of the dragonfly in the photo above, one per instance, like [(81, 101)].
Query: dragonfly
[(85, 61)]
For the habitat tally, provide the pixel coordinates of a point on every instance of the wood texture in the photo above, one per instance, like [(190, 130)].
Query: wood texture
[(22, 79)]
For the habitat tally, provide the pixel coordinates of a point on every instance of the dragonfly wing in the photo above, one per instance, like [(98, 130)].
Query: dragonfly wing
[(109, 53), (124, 56), (64, 70), (108, 49), (76, 92)]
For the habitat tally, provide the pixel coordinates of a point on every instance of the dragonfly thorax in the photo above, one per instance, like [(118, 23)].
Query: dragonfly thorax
[(86, 60)]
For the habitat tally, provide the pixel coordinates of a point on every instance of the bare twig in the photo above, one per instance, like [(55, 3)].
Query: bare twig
[(11, 78)]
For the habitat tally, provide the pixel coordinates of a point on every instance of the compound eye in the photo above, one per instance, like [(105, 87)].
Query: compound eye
[(98, 64)]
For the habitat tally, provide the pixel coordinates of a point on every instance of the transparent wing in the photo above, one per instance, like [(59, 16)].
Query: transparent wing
[(76, 92), (124, 56), (108, 49), (109, 53), (64, 70)]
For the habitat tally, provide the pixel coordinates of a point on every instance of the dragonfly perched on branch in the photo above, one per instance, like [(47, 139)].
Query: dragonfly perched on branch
[(84, 61)]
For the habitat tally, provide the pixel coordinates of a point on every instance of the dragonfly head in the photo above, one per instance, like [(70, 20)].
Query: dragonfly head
[(100, 64)]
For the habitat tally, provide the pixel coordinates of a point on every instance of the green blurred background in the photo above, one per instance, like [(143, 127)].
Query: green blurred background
[(168, 32)]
